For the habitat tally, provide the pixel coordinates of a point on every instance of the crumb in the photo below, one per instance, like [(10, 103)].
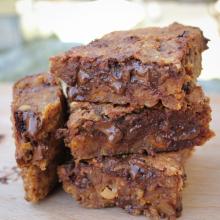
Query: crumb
[(1, 137), (9, 174)]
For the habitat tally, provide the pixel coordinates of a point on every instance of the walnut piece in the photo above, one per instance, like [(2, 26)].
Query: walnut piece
[(109, 192), (24, 107)]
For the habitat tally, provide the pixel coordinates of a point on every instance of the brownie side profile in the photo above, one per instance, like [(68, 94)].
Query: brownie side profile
[(38, 110), (137, 183), (140, 67), (95, 130)]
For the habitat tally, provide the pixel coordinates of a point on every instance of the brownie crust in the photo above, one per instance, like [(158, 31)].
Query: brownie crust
[(140, 67), (137, 183), (94, 130)]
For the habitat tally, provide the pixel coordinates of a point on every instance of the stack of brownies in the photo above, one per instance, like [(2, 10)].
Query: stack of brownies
[(135, 113)]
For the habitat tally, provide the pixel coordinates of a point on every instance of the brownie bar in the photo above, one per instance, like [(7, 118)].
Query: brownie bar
[(137, 183), (94, 130), (140, 67), (38, 110)]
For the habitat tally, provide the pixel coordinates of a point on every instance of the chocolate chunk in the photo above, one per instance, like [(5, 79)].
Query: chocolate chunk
[(118, 87), (72, 92), (40, 152), (134, 170), (83, 77), (32, 123), (183, 34), (113, 133)]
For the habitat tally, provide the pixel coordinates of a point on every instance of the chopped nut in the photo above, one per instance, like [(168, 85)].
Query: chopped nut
[(178, 106), (73, 105), (26, 146), (178, 66), (166, 208), (24, 107), (40, 79), (139, 193), (64, 87), (109, 193)]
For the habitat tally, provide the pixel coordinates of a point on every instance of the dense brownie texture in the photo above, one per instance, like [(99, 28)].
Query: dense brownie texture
[(137, 183), (39, 183), (140, 67), (94, 130), (38, 110)]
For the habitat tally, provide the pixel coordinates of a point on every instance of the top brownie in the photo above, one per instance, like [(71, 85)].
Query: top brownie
[(139, 67)]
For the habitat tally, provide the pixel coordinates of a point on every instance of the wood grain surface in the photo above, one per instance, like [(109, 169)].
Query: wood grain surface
[(201, 197)]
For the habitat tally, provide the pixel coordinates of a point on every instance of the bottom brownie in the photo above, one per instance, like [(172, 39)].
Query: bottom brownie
[(139, 184)]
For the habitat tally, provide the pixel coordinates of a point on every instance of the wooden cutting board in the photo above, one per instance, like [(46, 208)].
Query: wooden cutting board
[(201, 197)]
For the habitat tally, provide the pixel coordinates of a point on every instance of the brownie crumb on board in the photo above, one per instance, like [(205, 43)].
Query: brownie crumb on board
[(1, 137), (9, 174)]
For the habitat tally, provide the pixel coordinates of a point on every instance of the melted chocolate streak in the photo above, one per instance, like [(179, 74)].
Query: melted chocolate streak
[(9, 175)]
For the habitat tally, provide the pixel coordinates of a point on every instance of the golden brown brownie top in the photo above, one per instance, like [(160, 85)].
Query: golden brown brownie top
[(168, 45), (35, 93)]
